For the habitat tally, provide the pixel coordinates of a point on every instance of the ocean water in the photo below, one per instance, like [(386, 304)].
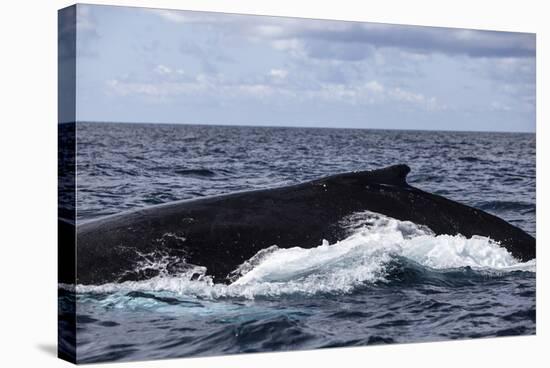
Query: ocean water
[(389, 281)]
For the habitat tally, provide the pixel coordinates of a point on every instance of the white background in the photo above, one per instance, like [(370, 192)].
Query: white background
[(28, 180)]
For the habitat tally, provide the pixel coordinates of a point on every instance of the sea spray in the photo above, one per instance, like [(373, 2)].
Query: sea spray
[(363, 257)]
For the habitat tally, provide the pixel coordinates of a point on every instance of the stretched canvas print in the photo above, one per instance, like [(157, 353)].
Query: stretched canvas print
[(237, 183)]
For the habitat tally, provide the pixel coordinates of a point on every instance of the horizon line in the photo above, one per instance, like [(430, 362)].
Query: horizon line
[(296, 126)]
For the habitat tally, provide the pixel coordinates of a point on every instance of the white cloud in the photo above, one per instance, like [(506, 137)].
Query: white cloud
[(172, 16), (274, 87), (87, 30), (374, 86), (199, 17), (256, 90), (292, 46), (499, 106), (278, 73), (419, 99), (84, 19), (374, 92), (162, 69), (268, 30)]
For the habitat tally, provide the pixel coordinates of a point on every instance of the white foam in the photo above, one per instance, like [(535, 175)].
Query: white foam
[(373, 241)]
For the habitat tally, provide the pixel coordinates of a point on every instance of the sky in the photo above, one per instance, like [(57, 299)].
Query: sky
[(173, 66)]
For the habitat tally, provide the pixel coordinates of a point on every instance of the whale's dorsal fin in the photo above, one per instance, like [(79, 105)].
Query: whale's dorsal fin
[(395, 175), (392, 175)]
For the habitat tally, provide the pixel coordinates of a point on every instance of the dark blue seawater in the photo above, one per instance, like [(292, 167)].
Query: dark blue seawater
[(414, 288)]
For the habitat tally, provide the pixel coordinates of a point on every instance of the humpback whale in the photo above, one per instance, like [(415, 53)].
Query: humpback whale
[(222, 232)]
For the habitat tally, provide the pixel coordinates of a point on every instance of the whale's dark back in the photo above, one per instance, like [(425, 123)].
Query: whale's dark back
[(222, 232)]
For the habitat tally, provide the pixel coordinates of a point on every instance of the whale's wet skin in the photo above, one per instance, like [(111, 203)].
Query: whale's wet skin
[(383, 281)]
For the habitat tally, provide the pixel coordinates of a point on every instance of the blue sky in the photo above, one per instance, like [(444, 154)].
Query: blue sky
[(172, 66)]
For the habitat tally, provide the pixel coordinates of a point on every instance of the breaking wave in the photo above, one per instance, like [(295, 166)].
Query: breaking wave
[(376, 251)]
